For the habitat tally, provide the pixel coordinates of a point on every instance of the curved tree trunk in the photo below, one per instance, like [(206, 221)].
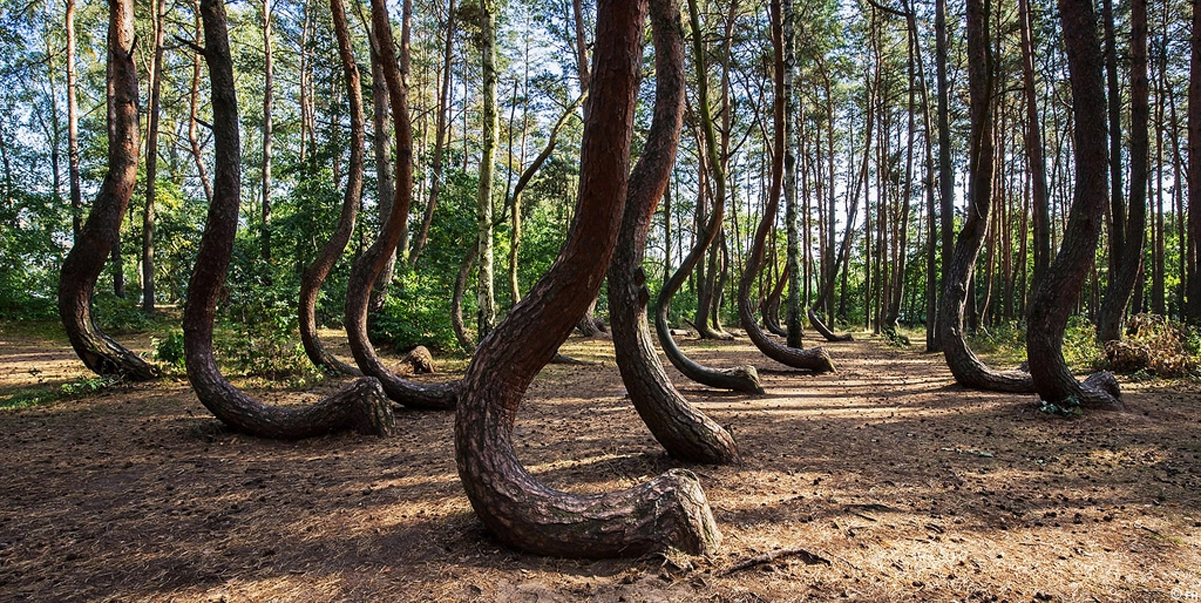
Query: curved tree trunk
[(456, 299), (740, 378), (1052, 302), (1122, 281), (369, 265), (968, 370), (385, 183), (362, 406), (310, 284), (684, 431), (668, 511), (101, 233), (815, 359)]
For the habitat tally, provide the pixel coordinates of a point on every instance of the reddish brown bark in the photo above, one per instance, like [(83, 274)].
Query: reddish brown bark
[(668, 511), (362, 406), (314, 277), (814, 359), (684, 431), (372, 261), (100, 234), (969, 370), (1060, 288)]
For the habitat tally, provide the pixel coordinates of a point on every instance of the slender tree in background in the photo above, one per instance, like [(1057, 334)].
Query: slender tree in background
[(101, 232), (384, 180), (684, 431), (815, 359), (668, 511), (589, 325), (1193, 270), (158, 13), (792, 320), (194, 107), (969, 370), (371, 262), (1124, 278), (946, 174), (486, 297), (1041, 217), (362, 406), (268, 133), (73, 123), (1059, 289), (310, 284), (440, 133)]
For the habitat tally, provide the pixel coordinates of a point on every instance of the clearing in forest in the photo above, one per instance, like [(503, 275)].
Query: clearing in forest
[(884, 481)]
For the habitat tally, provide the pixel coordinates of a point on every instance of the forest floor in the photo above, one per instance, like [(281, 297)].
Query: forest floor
[(896, 483)]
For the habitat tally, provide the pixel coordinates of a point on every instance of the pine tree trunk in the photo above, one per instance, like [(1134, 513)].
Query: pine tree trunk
[(194, 108), (362, 406), (486, 297), (1052, 302), (371, 262), (268, 134), (314, 277), (101, 232), (73, 124), (158, 10), (440, 136), (1193, 276), (669, 511)]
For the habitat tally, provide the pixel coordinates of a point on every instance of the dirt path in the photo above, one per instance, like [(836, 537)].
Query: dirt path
[(909, 487)]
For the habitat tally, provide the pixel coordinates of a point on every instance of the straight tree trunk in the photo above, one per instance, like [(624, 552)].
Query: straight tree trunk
[(484, 286), (268, 101), (946, 174), (1052, 302), (684, 431), (1117, 201), (362, 406), (1130, 263), (1034, 150), (101, 232), (385, 181), (194, 108), (371, 262), (314, 277), (669, 511), (969, 370), (792, 316), (73, 124), (440, 136), (1193, 276), (158, 10)]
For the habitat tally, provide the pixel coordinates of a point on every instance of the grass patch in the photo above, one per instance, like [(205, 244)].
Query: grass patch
[(40, 396)]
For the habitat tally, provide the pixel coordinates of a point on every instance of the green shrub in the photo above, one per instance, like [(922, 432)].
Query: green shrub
[(170, 350), (417, 312), (119, 315)]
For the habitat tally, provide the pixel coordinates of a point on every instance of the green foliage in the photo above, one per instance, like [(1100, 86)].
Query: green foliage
[(31, 250), (170, 350), (416, 313), (119, 315), (83, 386), (1080, 347)]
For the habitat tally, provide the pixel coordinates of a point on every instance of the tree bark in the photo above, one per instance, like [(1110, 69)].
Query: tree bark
[(268, 100), (669, 511), (73, 124), (969, 370), (371, 262), (1034, 151), (1130, 264), (683, 430), (1052, 302), (314, 277), (194, 108), (385, 182), (440, 136), (740, 378), (1193, 277), (814, 359), (101, 232), (362, 406), (793, 312), (158, 10), (485, 295), (946, 174)]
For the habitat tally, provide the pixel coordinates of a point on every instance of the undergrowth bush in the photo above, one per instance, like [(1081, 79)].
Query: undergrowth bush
[(119, 315), (1157, 345), (417, 312)]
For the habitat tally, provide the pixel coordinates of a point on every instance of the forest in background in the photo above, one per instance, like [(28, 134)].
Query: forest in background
[(881, 141)]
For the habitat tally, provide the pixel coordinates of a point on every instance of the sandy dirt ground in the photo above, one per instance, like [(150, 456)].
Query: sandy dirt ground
[(881, 482)]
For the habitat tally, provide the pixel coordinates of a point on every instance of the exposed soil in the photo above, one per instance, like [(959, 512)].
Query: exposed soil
[(897, 485)]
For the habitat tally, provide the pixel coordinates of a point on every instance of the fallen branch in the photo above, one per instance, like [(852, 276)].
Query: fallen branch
[(806, 556)]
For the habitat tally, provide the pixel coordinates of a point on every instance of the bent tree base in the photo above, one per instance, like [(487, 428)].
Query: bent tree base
[(668, 512), (362, 406)]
